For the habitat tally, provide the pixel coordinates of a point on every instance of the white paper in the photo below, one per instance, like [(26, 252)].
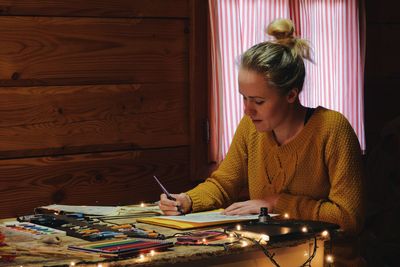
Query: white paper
[(204, 217), (105, 210)]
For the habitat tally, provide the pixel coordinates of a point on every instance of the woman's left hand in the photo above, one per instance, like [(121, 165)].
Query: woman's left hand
[(251, 206)]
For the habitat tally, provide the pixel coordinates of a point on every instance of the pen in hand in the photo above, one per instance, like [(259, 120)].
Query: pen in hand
[(169, 195)]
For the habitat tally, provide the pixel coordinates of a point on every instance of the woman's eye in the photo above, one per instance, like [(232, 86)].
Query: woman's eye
[(260, 102)]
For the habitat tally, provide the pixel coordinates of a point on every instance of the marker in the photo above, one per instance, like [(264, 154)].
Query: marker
[(168, 195)]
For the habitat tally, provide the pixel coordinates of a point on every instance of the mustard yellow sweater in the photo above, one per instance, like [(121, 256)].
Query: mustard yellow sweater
[(318, 174)]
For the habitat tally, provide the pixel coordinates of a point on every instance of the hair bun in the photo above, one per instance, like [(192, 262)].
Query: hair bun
[(281, 29)]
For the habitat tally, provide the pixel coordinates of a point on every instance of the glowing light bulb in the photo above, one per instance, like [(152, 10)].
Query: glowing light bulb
[(72, 263), (99, 265), (141, 256), (152, 252), (238, 227), (264, 237), (286, 215), (304, 229), (142, 205), (325, 233), (329, 258)]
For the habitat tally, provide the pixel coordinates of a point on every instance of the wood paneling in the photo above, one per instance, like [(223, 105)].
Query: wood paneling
[(39, 121), (199, 92), (62, 51), (98, 96), (383, 11), (96, 8), (382, 74), (90, 179), (382, 51), (381, 104)]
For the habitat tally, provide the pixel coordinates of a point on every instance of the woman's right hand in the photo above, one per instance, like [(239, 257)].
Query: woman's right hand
[(170, 207)]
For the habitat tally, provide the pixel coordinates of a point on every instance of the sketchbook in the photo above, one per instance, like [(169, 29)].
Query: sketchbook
[(147, 210), (198, 220)]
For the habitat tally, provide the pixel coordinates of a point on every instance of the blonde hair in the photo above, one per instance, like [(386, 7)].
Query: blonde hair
[(281, 61)]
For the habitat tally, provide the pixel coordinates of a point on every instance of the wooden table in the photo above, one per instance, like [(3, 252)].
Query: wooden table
[(288, 253)]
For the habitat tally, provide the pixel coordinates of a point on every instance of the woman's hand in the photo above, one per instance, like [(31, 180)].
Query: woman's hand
[(251, 206), (170, 207)]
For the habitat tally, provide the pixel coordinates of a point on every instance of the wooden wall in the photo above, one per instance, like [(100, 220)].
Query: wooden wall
[(98, 96), (382, 71)]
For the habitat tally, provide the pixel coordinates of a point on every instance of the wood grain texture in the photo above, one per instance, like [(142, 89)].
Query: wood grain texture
[(96, 8), (37, 121), (198, 98), (90, 179), (96, 97), (65, 51)]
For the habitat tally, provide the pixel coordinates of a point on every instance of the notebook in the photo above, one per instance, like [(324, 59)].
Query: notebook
[(198, 220)]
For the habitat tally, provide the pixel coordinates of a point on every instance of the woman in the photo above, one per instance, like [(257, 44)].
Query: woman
[(293, 159)]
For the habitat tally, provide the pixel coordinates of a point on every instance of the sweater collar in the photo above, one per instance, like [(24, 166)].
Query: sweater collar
[(301, 137)]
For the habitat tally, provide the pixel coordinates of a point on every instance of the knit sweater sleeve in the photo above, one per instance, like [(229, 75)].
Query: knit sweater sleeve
[(223, 186), (345, 203)]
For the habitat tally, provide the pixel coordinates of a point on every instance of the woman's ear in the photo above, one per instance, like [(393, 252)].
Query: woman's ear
[(292, 95)]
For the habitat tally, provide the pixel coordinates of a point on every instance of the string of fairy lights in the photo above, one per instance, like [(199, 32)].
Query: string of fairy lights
[(237, 238)]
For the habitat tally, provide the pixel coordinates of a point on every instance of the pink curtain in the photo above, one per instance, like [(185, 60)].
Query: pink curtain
[(335, 80)]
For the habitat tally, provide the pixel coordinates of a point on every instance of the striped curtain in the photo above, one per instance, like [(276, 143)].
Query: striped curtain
[(335, 81)]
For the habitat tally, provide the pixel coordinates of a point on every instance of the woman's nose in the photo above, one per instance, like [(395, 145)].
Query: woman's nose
[(248, 110)]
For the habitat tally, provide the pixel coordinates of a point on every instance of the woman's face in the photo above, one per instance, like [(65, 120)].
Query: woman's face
[(262, 102)]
